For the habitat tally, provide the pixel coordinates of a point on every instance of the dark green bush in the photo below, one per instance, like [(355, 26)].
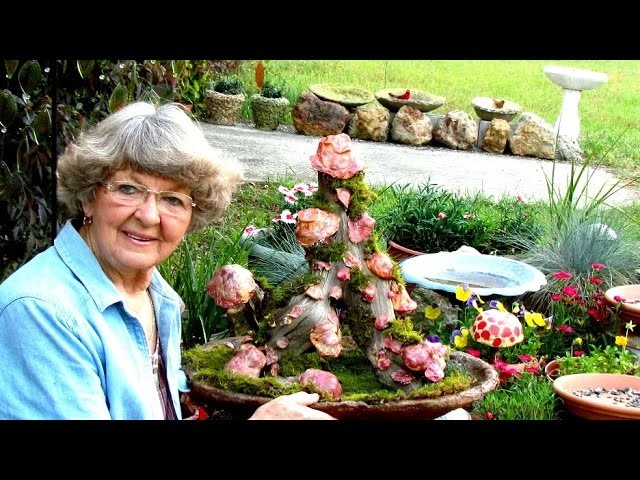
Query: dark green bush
[(27, 194), (85, 92), (228, 85), (270, 90), (430, 219)]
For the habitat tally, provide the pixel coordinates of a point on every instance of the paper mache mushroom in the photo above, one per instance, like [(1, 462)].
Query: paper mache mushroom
[(497, 328)]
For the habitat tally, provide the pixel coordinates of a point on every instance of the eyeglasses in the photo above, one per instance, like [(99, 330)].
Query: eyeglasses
[(133, 194)]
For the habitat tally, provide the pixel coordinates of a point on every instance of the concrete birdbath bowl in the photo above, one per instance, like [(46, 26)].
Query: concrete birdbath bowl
[(489, 108), (484, 274), (572, 81), (574, 78), (391, 98)]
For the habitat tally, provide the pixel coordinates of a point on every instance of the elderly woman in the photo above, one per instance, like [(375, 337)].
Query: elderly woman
[(89, 329)]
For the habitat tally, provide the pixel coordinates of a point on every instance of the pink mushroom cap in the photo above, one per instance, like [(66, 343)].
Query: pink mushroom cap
[(497, 328)]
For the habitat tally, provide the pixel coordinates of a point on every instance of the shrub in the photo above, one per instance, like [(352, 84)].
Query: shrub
[(27, 194), (228, 85), (270, 90), (430, 219)]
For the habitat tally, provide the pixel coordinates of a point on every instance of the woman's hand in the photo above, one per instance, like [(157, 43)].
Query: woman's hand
[(291, 407)]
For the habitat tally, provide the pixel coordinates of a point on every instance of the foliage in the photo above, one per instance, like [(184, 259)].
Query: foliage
[(229, 85), (600, 236), (189, 269), (191, 80), (430, 219), (271, 90), (277, 254), (576, 195), (27, 193), (527, 397), (609, 359)]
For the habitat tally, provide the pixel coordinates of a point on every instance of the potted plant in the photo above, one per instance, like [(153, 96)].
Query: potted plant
[(223, 102), (269, 104)]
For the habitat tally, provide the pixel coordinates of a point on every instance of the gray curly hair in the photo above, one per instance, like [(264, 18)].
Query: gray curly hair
[(158, 140)]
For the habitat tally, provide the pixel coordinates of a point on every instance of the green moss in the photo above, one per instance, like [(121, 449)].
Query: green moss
[(354, 371), (359, 280), (402, 330), (292, 364), (328, 252), (361, 195)]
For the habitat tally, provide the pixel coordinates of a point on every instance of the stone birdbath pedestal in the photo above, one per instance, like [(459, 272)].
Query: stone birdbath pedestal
[(573, 81)]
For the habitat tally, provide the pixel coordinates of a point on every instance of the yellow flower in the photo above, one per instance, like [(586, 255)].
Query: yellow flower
[(460, 341), (431, 312), (500, 306), (475, 304), (462, 294), (577, 341), (534, 319), (621, 340)]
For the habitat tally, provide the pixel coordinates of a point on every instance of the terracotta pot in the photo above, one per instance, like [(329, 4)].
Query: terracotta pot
[(398, 252), (551, 369), (598, 406), (629, 309)]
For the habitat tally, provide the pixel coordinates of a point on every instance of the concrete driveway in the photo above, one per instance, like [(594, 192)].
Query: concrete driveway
[(284, 154)]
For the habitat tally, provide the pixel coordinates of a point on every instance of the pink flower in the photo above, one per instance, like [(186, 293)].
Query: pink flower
[(442, 215), (519, 198), (563, 275), (597, 266), (595, 281), (570, 291), (564, 328), (286, 216)]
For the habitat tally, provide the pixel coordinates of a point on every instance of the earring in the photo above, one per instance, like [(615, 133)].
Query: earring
[(87, 220)]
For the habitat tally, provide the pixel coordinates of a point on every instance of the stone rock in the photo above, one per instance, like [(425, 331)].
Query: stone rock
[(411, 127), (532, 136), (568, 150), (425, 297), (496, 136), (312, 116), (457, 129), (370, 122)]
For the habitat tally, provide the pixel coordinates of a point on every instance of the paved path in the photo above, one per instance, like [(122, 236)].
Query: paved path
[(280, 154)]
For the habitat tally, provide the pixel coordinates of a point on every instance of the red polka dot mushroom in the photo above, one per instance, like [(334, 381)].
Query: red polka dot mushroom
[(497, 328)]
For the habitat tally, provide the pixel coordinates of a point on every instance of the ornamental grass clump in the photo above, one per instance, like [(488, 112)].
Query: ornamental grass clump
[(582, 239)]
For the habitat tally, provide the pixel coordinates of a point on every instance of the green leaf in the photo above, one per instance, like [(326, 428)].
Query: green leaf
[(11, 67), (8, 107), (29, 76), (85, 67), (119, 98), (42, 125)]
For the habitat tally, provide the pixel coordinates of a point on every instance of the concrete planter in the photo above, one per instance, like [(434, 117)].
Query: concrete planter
[(222, 108), (267, 112)]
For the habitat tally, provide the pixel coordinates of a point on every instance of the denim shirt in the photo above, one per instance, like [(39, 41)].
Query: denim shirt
[(70, 349)]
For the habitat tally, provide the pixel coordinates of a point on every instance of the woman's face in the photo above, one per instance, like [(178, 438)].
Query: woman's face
[(134, 239)]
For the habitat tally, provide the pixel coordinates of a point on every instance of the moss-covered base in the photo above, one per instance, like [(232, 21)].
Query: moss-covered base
[(466, 379)]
